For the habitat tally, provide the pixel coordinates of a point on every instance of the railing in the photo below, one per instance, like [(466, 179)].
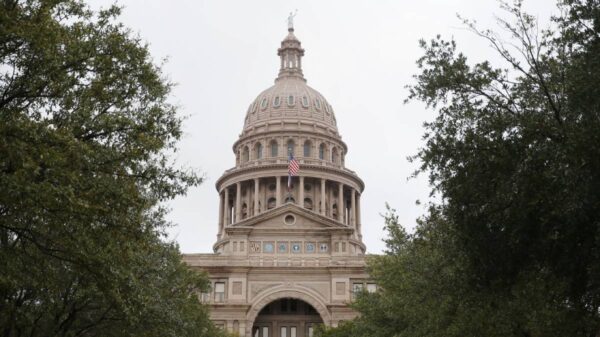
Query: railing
[(284, 161), (208, 260)]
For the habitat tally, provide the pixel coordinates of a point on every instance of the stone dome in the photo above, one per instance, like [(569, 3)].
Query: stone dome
[(290, 98)]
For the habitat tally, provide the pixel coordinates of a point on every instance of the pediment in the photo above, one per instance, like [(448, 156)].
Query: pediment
[(303, 219)]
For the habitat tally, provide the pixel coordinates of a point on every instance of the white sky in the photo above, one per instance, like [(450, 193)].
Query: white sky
[(359, 54)]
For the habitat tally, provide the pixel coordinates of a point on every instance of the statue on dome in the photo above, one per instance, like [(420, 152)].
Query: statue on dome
[(291, 19)]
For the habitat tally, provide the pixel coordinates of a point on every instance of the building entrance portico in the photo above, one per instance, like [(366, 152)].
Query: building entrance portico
[(286, 317)]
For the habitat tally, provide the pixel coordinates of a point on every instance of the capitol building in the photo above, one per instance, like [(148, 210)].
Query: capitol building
[(289, 253)]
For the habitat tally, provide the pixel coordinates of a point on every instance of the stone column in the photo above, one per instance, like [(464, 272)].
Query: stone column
[(226, 211), (322, 196), (221, 213), (358, 221), (278, 191), (301, 191), (256, 185), (238, 202), (341, 210), (353, 208)]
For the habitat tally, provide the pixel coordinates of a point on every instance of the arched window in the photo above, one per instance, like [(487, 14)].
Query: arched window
[(290, 199), (274, 148), (334, 213), (305, 101), (290, 147), (276, 102), (245, 154), (290, 100), (271, 203), (308, 204), (322, 151), (307, 146), (244, 211), (263, 103), (259, 149), (334, 155)]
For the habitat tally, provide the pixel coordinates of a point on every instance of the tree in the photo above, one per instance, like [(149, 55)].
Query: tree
[(513, 247), (85, 135)]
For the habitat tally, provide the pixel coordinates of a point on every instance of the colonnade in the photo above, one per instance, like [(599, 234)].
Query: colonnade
[(248, 198)]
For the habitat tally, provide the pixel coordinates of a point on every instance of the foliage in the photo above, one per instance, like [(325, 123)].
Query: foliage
[(513, 248), (85, 133)]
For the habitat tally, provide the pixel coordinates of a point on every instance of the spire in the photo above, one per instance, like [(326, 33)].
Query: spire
[(291, 53)]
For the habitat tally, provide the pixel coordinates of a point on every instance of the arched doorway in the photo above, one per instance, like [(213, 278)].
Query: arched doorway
[(286, 317)]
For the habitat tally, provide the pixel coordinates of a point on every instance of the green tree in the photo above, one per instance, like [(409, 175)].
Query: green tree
[(513, 248), (85, 135)]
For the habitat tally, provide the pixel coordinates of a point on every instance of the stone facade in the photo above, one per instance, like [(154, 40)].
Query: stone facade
[(286, 258)]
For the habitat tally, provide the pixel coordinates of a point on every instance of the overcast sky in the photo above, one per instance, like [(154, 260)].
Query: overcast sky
[(359, 54)]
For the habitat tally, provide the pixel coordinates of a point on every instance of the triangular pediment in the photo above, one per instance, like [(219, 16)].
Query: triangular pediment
[(279, 218)]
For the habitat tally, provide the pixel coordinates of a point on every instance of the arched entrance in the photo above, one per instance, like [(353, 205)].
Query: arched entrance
[(286, 317)]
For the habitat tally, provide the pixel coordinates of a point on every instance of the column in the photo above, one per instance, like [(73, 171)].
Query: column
[(322, 196), (226, 208), (301, 191), (221, 213), (358, 221), (353, 208), (256, 184), (238, 202), (341, 210), (278, 191)]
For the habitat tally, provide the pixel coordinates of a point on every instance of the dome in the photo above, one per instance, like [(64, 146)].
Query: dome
[(290, 98)]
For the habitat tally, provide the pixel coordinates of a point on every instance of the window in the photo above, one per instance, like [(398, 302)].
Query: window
[(305, 101), (284, 305), (322, 151), (259, 151), (271, 203), (219, 292), (290, 147), (357, 288), (205, 297), (263, 104), (334, 155), (290, 100), (307, 148), (274, 149), (245, 154), (308, 204), (318, 104), (277, 102), (371, 287)]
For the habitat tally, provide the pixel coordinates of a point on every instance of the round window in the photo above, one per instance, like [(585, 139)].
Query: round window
[(289, 219)]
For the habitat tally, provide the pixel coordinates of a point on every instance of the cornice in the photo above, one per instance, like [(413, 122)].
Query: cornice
[(235, 172), (290, 133)]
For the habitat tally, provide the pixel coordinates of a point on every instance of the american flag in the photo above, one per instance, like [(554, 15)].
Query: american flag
[(293, 168)]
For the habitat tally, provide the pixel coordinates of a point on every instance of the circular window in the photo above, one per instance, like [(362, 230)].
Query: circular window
[(289, 219)]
